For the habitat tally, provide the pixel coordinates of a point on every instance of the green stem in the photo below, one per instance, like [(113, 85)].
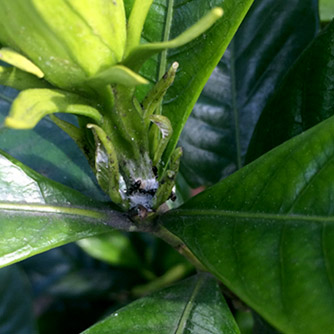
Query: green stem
[(173, 275), (114, 126), (154, 98), (113, 166), (136, 22), (168, 25), (124, 125), (155, 135), (126, 112), (78, 135)]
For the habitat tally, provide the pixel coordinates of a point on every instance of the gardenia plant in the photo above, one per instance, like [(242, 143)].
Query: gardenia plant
[(259, 241), (89, 57)]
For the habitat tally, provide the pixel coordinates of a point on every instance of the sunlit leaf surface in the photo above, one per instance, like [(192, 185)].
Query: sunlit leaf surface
[(267, 232)]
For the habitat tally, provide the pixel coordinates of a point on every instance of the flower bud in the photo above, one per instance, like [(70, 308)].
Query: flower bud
[(70, 41)]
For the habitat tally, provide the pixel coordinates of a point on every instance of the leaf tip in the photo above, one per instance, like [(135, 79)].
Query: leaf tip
[(15, 59), (13, 123), (175, 65), (142, 81), (218, 12)]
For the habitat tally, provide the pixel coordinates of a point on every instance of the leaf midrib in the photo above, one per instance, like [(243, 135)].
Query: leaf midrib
[(40, 208), (252, 215), (188, 307)]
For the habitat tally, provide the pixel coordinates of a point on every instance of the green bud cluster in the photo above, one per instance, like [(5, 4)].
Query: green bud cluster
[(83, 57)]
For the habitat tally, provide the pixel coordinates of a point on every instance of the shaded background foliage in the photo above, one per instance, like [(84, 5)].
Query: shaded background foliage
[(269, 40)]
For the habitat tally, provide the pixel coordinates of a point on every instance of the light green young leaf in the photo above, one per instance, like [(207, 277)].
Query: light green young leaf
[(267, 232), (76, 133), (166, 131), (44, 146), (154, 98), (143, 52), (114, 248), (106, 19), (12, 57), (168, 181), (37, 214), (106, 164), (15, 78), (117, 74), (33, 104), (194, 306), (136, 22), (326, 10), (68, 40)]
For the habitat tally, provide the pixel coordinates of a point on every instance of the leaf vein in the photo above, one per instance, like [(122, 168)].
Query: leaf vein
[(250, 215)]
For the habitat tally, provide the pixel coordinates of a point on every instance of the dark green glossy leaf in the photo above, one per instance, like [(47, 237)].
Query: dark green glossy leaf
[(16, 309), (44, 147), (268, 41), (37, 214), (197, 59), (194, 306), (267, 232), (304, 99)]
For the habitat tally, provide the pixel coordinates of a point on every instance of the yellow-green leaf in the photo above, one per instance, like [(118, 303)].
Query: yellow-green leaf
[(33, 104), (15, 78), (136, 22), (326, 8), (68, 40), (12, 57), (145, 51), (118, 75)]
